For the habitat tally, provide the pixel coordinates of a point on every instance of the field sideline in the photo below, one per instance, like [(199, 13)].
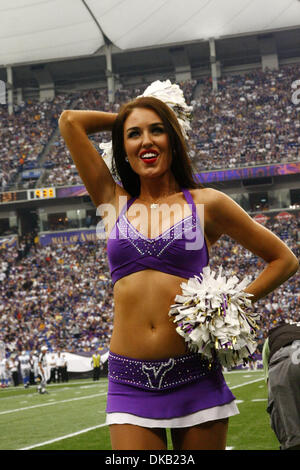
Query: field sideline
[(72, 416)]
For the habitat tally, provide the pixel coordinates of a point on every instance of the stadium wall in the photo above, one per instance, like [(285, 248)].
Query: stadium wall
[(134, 67)]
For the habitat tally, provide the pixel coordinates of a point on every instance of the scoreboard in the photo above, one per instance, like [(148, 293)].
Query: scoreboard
[(13, 196), (27, 195), (41, 193)]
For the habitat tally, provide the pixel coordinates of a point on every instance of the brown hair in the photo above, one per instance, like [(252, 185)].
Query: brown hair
[(181, 164)]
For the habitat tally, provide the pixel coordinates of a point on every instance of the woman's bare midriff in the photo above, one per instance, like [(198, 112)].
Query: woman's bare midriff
[(142, 326)]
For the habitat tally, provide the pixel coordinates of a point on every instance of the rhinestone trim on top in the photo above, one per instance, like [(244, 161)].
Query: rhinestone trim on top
[(155, 246)]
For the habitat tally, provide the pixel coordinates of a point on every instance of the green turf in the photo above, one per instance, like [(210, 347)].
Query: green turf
[(28, 419), (250, 430)]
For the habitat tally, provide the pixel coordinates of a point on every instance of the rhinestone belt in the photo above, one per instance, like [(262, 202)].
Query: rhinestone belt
[(158, 374)]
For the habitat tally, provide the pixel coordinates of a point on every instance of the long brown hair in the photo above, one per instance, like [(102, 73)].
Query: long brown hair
[(181, 166)]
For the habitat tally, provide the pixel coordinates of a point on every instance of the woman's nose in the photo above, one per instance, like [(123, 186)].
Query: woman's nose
[(146, 139)]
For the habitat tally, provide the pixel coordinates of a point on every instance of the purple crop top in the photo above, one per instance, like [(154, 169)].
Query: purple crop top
[(181, 250)]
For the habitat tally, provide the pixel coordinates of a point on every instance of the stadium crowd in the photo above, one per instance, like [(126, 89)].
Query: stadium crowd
[(25, 134), (62, 295), (56, 296), (250, 120)]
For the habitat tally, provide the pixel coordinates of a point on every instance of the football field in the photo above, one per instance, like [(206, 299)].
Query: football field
[(72, 416)]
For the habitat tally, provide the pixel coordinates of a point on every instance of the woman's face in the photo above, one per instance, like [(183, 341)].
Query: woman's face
[(146, 143)]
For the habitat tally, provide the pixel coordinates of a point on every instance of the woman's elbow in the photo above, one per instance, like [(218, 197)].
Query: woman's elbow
[(66, 122), (293, 265), (65, 117)]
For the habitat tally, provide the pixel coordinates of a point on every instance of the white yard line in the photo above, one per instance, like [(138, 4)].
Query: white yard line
[(51, 403), (40, 444), (64, 437), (247, 383), (65, 386)]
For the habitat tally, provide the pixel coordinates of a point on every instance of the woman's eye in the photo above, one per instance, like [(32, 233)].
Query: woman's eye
[(158, 130), (132, 134)]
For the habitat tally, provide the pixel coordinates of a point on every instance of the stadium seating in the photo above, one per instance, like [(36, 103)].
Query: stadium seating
[(50, 290), (249, 121), (45, 291)]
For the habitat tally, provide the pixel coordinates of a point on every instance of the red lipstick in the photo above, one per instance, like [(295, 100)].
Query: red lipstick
[(148, 156)]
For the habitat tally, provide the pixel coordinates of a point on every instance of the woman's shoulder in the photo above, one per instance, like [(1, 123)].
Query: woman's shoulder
[(208, 199), (207, 196), (217, 204)]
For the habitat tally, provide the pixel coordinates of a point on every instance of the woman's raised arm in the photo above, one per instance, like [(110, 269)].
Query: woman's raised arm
[(75, 126)]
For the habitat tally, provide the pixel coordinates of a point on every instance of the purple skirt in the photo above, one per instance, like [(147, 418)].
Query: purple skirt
[(164, 389)]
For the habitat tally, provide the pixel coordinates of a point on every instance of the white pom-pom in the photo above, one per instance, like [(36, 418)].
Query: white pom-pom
[(213, 314), (107, 154)]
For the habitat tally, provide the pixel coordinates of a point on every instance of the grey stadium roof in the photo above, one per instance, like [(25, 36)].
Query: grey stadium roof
[(45, 30)]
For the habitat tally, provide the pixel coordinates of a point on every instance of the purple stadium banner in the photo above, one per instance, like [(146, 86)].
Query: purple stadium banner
[(212, 176), (249, 172), (72, 237), (71, 191)]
